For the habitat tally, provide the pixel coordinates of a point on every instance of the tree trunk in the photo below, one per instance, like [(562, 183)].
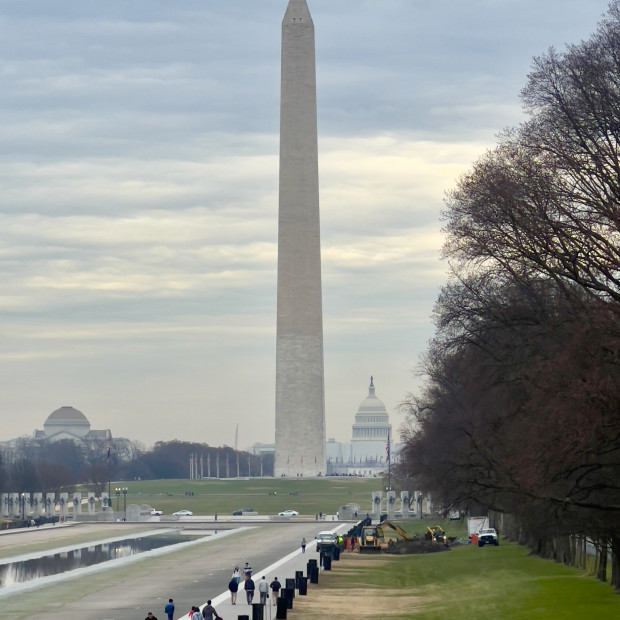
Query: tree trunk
[(601, 573), (615, 562)]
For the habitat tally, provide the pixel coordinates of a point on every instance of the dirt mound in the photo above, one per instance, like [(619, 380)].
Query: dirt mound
[(409, 547)]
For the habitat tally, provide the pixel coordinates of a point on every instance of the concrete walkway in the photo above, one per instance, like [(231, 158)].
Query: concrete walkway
[(283, 569)]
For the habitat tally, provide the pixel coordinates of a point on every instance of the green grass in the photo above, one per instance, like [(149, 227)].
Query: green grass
[(307, 496), (503, 582)]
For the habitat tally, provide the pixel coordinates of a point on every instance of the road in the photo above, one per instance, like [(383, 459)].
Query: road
[(189, 576)]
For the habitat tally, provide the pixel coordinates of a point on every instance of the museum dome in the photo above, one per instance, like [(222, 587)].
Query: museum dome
[(66, 416)]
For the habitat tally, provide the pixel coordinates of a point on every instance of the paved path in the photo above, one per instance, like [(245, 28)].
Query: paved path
[(191, 575)]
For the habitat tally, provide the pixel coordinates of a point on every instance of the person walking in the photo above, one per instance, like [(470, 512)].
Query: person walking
[(247, 571), (196, 615), (169, 609), (150, 616), (303, 545), (233, 586), (275, 586), (249, 588), (208, 612), (236, 575), (263, 590)]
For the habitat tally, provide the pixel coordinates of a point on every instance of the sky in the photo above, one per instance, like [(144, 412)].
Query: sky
[(138, 198)]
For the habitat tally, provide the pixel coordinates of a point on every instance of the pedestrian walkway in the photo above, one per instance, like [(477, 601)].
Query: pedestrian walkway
[(283, 569)]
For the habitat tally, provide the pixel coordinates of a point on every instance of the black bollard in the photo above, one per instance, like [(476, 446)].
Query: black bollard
[(257, 611), (290, 585), (314, 575), (327, 562), (336, 553), (303, 586), (281, 607), (243, 617), (298, 576), (288, 594)]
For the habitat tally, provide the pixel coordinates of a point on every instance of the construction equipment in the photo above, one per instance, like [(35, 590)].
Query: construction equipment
[(436, 534), (373, 535)]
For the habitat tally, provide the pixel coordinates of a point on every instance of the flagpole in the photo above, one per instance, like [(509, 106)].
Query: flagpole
[(389, 459)]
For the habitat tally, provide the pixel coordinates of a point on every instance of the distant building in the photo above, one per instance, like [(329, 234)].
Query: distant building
[(69, 423), (366, 453)]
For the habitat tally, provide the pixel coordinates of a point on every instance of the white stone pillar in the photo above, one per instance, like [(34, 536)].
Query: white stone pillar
[(391, 505), (4, 504), (376, 505), (15, 509), (91, 503), (77, 504), (105, 502), (50, 504), (63, 503), (404, 504), (37, 504), (418, 503)]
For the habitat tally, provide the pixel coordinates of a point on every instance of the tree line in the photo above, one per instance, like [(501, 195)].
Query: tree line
[(519, 411), (54, 466)]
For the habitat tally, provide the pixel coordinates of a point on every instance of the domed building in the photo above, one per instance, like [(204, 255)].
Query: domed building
[(70, 423), (366, 453)]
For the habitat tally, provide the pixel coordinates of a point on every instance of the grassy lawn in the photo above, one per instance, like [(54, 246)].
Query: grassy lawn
[(502, 582), (265, 495)]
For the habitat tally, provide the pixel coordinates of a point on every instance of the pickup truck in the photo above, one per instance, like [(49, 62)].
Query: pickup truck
[(487, 536), (156, 513), (326, 539)]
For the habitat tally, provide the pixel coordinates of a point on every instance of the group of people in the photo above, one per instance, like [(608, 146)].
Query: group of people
[(250, 587), (208, 612)]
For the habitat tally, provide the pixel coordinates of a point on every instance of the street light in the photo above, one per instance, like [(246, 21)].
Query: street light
[(23, 503), (118, 495), (124, 489)]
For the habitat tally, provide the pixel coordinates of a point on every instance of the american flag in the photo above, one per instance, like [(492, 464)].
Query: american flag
[(387, 449)]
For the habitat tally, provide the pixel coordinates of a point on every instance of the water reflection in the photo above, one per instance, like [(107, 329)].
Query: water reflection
[(28, 570)]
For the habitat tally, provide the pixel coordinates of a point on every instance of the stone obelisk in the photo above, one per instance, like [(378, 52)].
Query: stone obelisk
[(300, 396)]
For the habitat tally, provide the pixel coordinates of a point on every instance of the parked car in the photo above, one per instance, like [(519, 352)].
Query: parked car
[(183, 513), (240, 512), (156, 513), (288, 513), (487, 536)]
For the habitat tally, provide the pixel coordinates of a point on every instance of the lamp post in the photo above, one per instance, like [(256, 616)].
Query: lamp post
[(23, 504), (124, 490), (118, 495)]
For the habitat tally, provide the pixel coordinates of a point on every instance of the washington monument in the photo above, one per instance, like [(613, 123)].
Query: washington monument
[(300, 395)]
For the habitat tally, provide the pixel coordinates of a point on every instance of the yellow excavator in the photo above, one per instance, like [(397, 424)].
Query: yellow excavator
[(373, 535), (436, 534)]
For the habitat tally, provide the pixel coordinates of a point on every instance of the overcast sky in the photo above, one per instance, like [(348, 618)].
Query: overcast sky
[(138, 197)]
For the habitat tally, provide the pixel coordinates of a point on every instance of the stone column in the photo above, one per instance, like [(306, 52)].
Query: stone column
[(404, 504), (50, 504), (4, 504), (105, 502), (418, 503), (376, 505), (91, 503), (64, 506), (391, 505), (77, 504), (37, 504), (14, 505)]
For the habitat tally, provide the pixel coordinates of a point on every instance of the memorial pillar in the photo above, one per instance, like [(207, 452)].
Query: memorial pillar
[(37, 504), (376, 505), (50, 504), (64, 506), (91, 503), (77, 504), (404, 504), (391, 505)]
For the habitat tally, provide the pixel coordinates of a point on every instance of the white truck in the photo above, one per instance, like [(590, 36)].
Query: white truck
[(487, 536)]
